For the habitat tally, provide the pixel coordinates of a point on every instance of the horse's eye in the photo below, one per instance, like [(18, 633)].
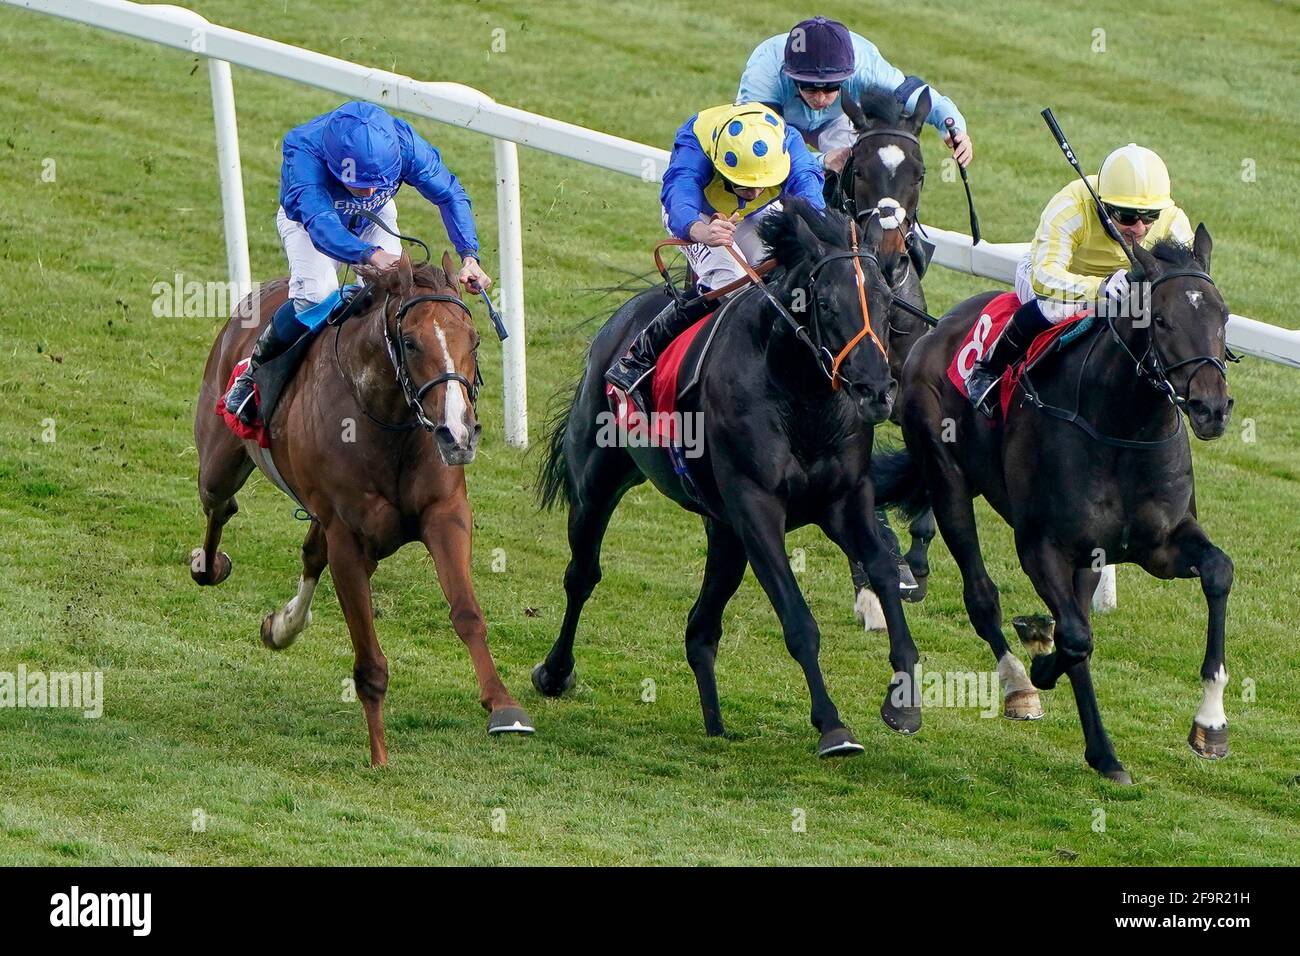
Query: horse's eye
[(409, 344)]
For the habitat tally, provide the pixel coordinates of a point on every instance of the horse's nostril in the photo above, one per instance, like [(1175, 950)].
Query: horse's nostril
[(444, 435)]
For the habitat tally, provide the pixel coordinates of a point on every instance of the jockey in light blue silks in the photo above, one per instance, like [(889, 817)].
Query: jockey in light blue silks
[(335, 166), (802, 75)]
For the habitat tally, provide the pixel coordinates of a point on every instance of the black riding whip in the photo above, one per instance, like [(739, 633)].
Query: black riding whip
[(965, 181), (1107, 223)]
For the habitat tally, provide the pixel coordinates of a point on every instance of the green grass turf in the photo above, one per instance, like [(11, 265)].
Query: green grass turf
[(96, 527)]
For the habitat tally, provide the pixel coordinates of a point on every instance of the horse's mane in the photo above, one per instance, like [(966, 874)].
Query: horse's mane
[(1171, 252), (425, 275), (780, 231)]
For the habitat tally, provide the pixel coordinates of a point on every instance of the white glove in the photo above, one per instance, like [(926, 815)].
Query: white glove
[(1116, 287)]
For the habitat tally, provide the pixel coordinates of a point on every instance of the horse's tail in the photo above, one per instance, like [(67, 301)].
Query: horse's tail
[(898, 482), (553, 476)]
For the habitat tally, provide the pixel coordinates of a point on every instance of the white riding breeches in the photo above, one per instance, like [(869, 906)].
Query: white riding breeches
[(314, 275), (1053, 310), (714, 266)]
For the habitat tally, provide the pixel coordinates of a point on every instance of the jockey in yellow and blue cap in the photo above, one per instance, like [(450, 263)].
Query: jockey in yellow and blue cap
[(804, 75), (729, 168), (1073, 262), (336, 167)]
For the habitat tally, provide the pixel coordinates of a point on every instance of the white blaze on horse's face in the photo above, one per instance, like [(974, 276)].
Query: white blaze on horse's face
[(456, 401), (891, 157)]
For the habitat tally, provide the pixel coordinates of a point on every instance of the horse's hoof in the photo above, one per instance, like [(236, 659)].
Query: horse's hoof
[(1022, 705), (839, 742), (547, 687), (901, 719), (1118, 775), (1207, 743), (219, 572), (510, 720), (1036, 632), (917, 594), (279, 640)]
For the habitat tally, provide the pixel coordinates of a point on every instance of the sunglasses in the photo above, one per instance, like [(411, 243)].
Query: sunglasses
[(1131, 217), (819, 87)]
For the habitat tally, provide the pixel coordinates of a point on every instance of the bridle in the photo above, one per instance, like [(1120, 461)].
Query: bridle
[(1151, 365), (397, 355), (848, 204), (829, 363)]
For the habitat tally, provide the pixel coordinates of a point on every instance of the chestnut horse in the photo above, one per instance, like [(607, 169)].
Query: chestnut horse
[(374, 459)]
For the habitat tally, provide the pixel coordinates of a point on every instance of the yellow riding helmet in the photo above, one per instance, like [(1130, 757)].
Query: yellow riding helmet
[(1134, 177), (748, 146)]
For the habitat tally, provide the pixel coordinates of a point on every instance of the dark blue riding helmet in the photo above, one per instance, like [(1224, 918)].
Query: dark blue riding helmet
[(819, 51), (361, 146)]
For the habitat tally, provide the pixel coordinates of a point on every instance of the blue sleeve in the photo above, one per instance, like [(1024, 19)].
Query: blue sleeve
[(874, 72), (306, 200), (688, 172), (761, 81), (806, 177), (424, 170)]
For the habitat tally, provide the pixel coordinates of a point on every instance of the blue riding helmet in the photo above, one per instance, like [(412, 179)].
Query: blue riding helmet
[(819, 51), (361, 147)]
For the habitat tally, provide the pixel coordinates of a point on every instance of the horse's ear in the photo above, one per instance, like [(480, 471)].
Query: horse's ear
[(449, 268), (405, 279), (921, 110), (853, 110), (1150, 266), (1201, 245), (807, 238)]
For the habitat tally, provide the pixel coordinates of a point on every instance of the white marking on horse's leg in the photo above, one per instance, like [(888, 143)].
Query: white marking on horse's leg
[(868, 610), (1012, 675), (1211, 716), (292, 619), (890, 158), (456, 401)]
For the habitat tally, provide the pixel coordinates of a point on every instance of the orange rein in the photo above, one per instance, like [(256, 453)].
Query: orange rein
[(756, 276)]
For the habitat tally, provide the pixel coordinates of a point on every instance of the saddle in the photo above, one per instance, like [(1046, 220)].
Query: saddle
[(993, 317)]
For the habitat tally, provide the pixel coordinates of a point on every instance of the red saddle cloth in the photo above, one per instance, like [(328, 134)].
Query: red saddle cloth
[(663, 388), (254, 432), (993, 318)]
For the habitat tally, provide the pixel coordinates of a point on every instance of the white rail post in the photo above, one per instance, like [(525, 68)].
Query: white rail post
[(1106, 597), (511, 278), (232, 177)]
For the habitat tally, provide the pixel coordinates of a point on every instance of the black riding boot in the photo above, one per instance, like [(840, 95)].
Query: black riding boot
[(1009, 347), (268, 345), (639, 361)]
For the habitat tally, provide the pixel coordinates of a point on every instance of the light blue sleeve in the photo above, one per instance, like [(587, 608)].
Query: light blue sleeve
[(761, 81), (874, 72)]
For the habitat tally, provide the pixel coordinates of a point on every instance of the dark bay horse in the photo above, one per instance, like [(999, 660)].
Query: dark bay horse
[(884, 175), (783, 449), (346, 441), (1097, 470)]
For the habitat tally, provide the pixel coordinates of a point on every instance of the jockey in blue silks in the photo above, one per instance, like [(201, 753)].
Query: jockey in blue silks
[(336, 166), (730, 167), (802, 75)]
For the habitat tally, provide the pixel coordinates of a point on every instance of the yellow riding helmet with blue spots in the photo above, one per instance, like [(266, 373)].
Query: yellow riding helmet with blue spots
[(746, 143)]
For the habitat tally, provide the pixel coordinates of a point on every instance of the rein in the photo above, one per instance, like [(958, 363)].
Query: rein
[(1149, 366)]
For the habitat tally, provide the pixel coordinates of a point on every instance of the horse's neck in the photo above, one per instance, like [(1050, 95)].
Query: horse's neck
[(1114, 396), (365, 363)]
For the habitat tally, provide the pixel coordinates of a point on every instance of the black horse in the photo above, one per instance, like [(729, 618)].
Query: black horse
[(1092, 467), (883, 176), (788, 406)]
